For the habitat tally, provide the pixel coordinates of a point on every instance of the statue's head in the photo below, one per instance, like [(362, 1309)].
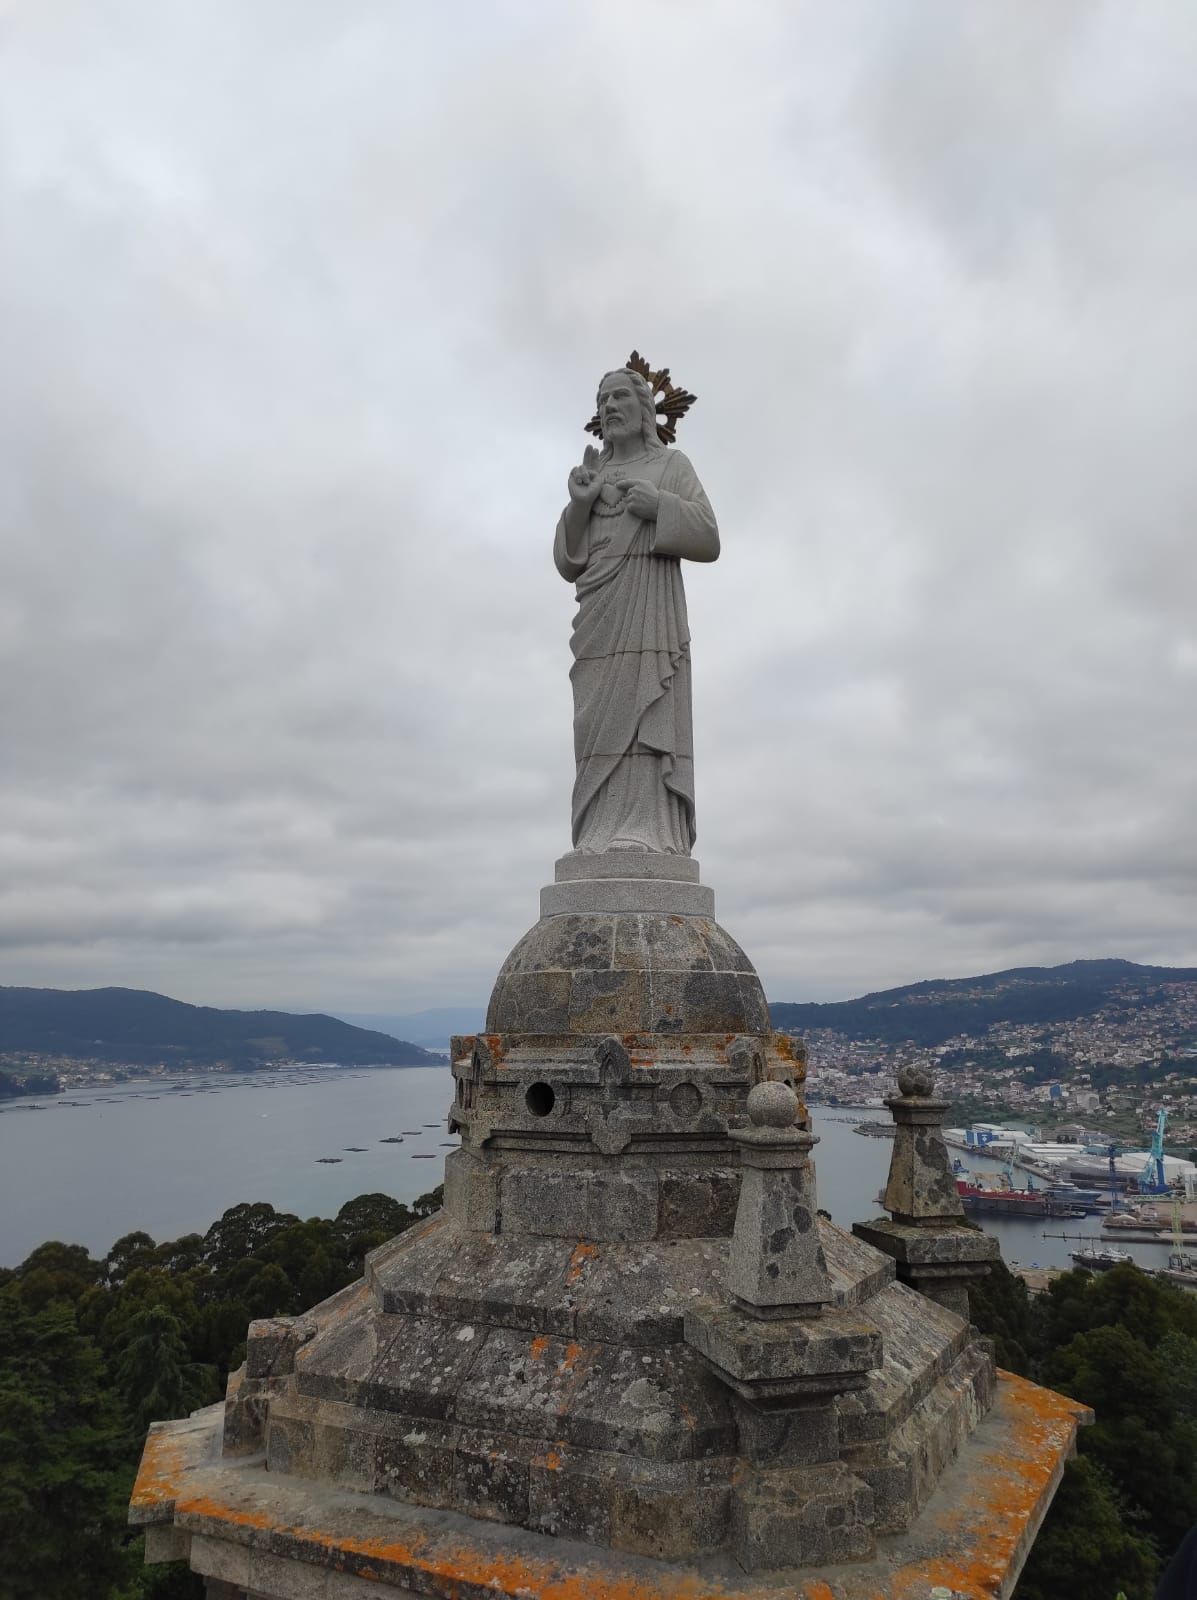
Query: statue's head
[(627, 407)]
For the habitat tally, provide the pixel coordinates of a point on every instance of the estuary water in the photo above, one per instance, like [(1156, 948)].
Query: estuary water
[(168, 1156)]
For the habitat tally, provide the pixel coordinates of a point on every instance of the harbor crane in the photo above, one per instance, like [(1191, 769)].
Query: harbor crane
[(1008, 1171), (1152, 1179)]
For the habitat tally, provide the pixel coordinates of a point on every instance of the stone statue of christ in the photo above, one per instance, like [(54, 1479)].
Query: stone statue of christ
[(635, 510)]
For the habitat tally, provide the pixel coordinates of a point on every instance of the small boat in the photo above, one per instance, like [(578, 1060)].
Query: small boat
[(1102, 1260)]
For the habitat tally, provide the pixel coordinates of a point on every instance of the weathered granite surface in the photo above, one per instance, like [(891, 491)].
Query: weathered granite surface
[(612, 1392), (274, 1536), (625, 864), (658, 896), (777, 1264), (618, 972), (618, 1056), (635, 512), (629, 1327), (921, 1188), (936, 1250)]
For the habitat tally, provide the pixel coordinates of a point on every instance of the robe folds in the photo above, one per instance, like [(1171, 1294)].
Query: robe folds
[(633, 729)]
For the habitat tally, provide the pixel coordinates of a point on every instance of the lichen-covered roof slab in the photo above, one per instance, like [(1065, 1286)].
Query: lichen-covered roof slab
[(280, 1537)]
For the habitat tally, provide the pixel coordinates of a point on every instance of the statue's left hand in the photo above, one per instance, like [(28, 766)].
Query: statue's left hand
[(643, 499)]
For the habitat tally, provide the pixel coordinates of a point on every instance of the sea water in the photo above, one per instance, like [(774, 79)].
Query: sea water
[(168, 1156)]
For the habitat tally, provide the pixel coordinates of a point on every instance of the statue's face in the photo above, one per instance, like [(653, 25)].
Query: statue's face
[(619, 408)]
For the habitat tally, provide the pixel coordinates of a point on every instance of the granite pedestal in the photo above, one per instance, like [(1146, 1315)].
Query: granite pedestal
[(628, 1349)]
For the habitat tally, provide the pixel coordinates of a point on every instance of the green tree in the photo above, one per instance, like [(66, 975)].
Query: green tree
[(373, 1213), (1001, 1307), (154, 1375), (181, 1255), (131, 1251), (1149, 1451), (367, 1222), (56, 1271), (268, 1292), (242, 1231), (430, 1202), (1084, 1550), (91, 1351), (219, 1336), (62, 1450), (1177, 1355)]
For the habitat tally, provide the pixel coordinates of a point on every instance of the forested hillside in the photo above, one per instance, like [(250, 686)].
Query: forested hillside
[(136, 1027)]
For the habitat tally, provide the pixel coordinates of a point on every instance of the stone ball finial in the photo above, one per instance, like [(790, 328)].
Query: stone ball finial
[(915, 1081), (772, 1105)]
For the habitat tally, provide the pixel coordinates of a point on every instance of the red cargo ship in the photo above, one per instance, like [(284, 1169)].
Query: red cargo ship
[(1003, 1198)]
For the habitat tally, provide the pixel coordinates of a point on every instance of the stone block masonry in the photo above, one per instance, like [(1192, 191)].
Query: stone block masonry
[(629, 1346)]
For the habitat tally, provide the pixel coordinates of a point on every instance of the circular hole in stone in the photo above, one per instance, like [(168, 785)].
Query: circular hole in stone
[(685, 1100), (540, 1099)]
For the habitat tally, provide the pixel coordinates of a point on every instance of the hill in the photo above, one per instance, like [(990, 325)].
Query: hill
[(135, 1027), (932, 1012), (432, 1028)]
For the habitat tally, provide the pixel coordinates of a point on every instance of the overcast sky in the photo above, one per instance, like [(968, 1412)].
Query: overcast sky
[(302, 307)]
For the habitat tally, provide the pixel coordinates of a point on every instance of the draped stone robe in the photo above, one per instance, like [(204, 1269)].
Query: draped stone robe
[(633, 731)]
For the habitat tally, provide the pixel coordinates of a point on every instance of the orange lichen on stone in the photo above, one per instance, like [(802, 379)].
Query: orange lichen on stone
[(1007, 1497), (538, 1346), (163, 1465), (351, 1305), (450, 1568), (570, 1359), (582, 1252), (199, 1505), (971, 1540)]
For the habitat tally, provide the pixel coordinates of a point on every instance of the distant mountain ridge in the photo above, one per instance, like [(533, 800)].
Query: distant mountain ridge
[(432, 1028), (137, 1027), (933, 1011)]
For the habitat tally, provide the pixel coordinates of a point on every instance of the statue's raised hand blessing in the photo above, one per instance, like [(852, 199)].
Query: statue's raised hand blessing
[(584, 482)]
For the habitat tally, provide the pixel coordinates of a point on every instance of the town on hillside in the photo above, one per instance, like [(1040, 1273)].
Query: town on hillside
[(1115, 1069)]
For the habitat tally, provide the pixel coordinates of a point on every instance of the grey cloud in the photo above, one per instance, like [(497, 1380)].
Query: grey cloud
[(303, 310)]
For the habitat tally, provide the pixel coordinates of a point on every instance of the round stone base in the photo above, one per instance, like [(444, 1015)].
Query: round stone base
[(603, 971)]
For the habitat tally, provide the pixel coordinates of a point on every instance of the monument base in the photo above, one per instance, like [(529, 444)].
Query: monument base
[(627, 880), (629, 1357), (258, 1535)]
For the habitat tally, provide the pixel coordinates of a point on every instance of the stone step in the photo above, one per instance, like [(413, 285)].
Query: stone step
[(636, 1294)]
